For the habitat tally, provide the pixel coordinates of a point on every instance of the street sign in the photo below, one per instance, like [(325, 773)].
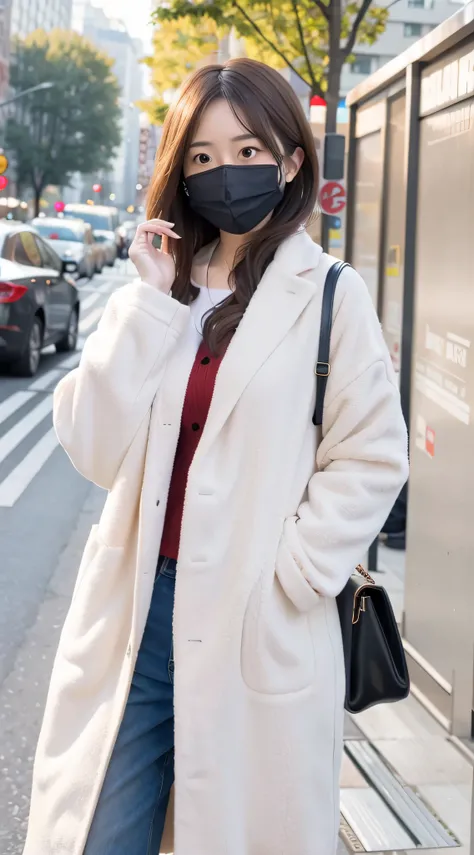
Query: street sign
[(332, 197), (3, 163)]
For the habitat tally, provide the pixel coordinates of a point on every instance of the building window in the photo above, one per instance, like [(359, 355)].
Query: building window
[(412, 30), (362, 65), (416, 4)]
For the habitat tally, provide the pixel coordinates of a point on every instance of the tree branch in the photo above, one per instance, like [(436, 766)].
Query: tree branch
[(314, 84), (349, 46), (268, 42), (322, 8)]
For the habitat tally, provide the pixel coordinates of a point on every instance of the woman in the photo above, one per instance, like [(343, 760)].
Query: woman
[(269, 521)]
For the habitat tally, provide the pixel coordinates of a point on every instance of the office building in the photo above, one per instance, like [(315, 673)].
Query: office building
[(5, 12), (113, 38), (30, 15), (409, 21)]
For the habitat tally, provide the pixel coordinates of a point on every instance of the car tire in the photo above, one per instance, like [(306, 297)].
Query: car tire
[(69, 341), (28, 363)]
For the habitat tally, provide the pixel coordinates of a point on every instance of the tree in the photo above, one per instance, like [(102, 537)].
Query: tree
[(314, 38), (73, 126), (179, 47)]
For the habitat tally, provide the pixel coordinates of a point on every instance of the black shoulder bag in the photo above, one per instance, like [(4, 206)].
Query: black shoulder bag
[(376, 668)]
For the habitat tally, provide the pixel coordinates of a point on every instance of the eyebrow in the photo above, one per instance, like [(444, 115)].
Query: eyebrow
[(240, 138)]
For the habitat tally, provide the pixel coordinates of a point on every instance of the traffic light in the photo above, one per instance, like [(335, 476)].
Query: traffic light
[(334, 223)]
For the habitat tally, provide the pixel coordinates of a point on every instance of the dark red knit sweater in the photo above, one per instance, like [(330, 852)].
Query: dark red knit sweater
[(195, 410)]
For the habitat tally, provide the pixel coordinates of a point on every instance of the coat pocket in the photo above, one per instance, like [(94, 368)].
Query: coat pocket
[(277, 654)]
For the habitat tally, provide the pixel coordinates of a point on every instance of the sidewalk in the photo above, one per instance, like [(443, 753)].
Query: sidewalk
[(406, 740)]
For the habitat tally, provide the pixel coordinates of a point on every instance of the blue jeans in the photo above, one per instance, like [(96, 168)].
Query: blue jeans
[(130, 813)]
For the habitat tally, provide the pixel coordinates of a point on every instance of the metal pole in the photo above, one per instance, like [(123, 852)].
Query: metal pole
[(350, 184), (40, 87)]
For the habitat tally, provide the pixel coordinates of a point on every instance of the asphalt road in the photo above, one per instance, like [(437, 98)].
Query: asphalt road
[(40, 492)]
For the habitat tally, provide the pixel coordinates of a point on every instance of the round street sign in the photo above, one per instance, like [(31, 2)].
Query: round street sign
[(3, 163), (332, 197)]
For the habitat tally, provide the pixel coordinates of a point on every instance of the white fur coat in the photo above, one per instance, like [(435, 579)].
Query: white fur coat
[(273, 525)]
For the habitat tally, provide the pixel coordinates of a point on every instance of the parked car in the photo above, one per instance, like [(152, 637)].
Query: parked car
[(104, 223), (39, 301), (72, 241)]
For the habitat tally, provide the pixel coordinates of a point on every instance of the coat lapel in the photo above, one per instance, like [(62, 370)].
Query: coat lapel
[(279, 300)]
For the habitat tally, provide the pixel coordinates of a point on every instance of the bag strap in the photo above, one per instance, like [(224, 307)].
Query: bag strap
[(323, 366)]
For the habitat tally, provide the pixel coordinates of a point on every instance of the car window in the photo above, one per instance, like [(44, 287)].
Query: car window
[(23, 249), (53, 232), (49, 258)]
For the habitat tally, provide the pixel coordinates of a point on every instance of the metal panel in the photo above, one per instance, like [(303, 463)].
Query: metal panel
[(413, 815), (411, 161), (373, 822), (449, 81), (367, 209), (440, 581)]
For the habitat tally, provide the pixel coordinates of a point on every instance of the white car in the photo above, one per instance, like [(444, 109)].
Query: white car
[(72, 241)]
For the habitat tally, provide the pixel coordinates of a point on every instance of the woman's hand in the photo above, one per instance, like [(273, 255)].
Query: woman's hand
[(155, 266)]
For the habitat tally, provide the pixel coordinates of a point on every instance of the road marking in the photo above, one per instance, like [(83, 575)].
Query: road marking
[(19, 478), (21, 429), (91, 319), (46, 380), (13, 403), (90, 300), (106, 287), (71, 362)]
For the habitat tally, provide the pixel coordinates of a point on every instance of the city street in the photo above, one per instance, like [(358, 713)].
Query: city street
[(46, 509)]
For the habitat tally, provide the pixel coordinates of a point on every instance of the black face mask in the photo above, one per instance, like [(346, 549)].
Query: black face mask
[(235, 199)]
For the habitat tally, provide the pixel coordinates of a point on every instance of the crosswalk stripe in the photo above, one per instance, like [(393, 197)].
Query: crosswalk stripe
[(46, 380), (71, 362), (107, 286), (89, 301), (90, 320), (13, 403), (13, 437), (19, 478)]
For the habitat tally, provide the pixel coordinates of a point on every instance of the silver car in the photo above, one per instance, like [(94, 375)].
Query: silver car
[(72, 241)]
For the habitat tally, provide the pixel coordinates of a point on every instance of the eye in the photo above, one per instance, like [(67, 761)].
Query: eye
[(249, 151), (202, 159)]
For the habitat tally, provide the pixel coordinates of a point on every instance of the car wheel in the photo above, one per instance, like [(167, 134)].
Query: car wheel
[(27, 365), (69, 340)]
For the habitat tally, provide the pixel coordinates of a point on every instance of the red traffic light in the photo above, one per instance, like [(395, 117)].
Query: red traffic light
[(97, 188), (59, 206), (3, 182)]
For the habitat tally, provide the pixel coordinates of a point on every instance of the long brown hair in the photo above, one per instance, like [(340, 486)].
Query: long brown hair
[(266, 105)]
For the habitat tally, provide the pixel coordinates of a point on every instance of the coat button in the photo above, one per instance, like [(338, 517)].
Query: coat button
[(205, 361), (157, 502), (195, 426)]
